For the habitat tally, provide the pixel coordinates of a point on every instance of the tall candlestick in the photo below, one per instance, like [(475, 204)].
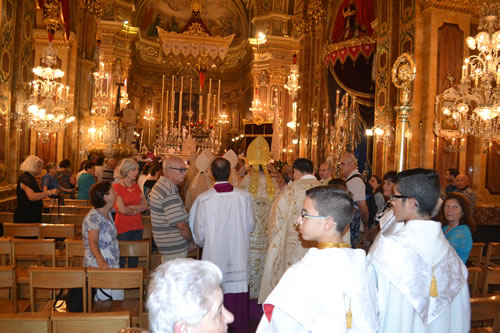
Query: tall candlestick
[(179, 121), (208, 103), (337, 99), (162, 99)]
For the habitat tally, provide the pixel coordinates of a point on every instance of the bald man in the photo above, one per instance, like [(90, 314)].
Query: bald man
[(169, 218), (355, 185), (463, 187), (325, 173)]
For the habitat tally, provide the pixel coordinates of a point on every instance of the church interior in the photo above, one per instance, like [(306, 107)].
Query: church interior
[(400, 83)]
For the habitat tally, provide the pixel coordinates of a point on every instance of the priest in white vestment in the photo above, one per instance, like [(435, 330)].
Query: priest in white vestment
[(285, 244), (263, 189), (421, 282), (221, 220), (328, 290)]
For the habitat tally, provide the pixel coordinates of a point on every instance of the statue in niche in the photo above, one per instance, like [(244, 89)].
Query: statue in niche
[(153, 32)]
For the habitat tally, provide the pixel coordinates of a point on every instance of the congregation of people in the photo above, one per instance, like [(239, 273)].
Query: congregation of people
[(295, 250)]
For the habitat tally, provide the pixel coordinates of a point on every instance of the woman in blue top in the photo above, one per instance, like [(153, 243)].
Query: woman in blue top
[(456, 217), (49, 180), (85, 181)]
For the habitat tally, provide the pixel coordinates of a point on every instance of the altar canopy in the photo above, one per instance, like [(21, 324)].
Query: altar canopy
[(349, 59)]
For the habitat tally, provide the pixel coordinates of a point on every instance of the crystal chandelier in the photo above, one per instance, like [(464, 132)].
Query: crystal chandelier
[(256, 108), (49, 99), (477, 111), (223, 116), (293, 79)]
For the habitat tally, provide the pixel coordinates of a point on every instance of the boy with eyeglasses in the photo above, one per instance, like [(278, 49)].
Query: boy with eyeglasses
[(421, 282), (326, 291)]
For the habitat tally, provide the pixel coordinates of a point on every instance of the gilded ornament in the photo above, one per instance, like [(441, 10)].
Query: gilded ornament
[(456, 5), (404, 72)]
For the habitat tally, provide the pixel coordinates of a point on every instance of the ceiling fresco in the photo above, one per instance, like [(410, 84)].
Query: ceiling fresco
[(222, 17)]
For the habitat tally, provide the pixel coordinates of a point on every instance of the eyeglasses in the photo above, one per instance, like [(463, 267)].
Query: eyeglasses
[(396, 196), (303, 215), (181, 170)]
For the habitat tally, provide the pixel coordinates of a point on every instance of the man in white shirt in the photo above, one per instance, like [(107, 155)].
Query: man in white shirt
[(355, 185), (221, 220), (421, 282)]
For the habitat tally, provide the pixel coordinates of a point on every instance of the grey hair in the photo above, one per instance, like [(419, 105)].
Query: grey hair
[(126, 166), (30, 164), (181, 290), (171, 162)]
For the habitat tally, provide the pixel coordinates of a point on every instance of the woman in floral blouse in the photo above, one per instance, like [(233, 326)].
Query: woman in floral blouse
[(98, 231)]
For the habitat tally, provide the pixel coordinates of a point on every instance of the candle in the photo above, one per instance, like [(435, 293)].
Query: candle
[(218, 98), (200, 106), (162, 98), (179, 121), (338, 98), (498, 77), (172, 102), (463, 71), (208, 103), (190, 92), (166, 111)]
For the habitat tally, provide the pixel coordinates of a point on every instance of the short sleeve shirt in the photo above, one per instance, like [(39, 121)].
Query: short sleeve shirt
[(167, 210), (356, 186), (108, 243)]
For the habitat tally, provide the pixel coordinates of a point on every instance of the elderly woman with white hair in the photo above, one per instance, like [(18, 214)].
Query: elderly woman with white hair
[(29, 195), (185, 297), (130, 203)]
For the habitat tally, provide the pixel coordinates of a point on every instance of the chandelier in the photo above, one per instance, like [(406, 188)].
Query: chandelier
[(256, 108), (48, 102), (477, 109), (223, 116), (293, 79)]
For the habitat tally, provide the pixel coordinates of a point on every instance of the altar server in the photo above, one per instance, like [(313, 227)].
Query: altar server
[(328, 290), (421, 282)]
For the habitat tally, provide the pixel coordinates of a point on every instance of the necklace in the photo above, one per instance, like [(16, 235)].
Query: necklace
[(129, 188)]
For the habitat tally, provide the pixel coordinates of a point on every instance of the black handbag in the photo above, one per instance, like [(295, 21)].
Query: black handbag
[(74, 299)]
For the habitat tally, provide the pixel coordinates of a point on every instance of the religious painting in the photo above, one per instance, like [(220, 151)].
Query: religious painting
[(220, 16)]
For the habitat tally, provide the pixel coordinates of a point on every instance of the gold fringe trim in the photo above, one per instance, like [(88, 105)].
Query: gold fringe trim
[(434, 289), (348, 316)]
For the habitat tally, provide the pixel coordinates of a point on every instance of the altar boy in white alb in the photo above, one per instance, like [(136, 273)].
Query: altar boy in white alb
[(421, 282), (327, 290)]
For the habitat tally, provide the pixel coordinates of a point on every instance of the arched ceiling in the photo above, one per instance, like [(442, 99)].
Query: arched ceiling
[(222, 17)]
